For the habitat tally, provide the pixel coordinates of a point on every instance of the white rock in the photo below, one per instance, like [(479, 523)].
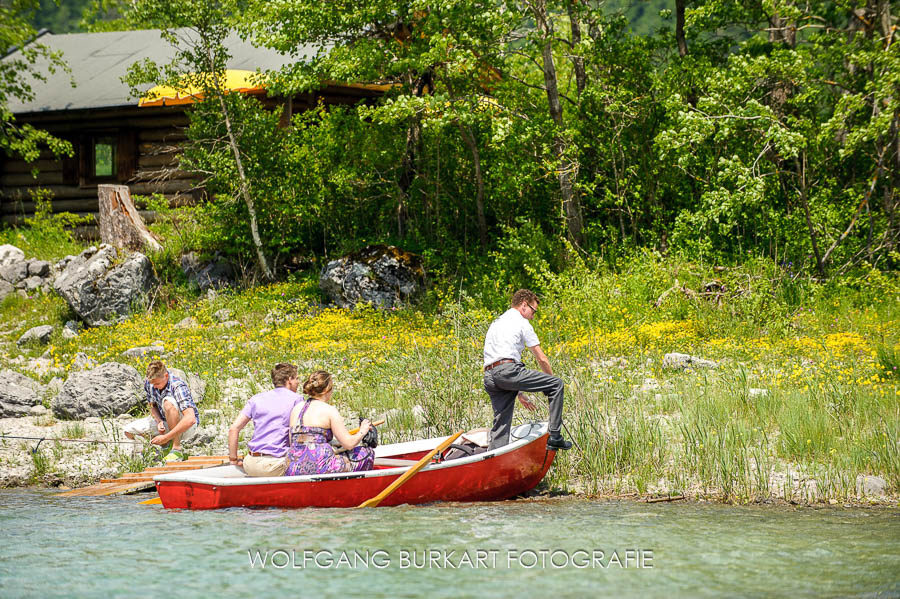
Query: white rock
[(147, 350), (187, 323), (43, 366), (870, 486), (71, 329), (678, 361), (18, 393), (418, 413), (649, 385), (40, 334), (109, 390), (758, 392), (55, 385), (82, 361), (616, 362), (10, 254)]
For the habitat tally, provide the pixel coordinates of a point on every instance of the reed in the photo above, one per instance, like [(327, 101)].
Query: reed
[(43, 465), (800, 387)]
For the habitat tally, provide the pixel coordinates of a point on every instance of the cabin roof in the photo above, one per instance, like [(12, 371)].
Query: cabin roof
[(98, 61)]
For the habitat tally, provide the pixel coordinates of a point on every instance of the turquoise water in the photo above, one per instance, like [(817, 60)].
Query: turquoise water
[(112, 547)]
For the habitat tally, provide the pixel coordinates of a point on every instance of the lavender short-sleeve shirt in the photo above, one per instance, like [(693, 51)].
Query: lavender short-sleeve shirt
[(270, 412)]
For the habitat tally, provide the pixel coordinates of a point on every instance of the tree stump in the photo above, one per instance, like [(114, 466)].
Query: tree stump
[(120, 223)]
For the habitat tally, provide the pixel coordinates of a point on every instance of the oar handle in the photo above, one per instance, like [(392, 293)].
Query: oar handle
[(376, 423)]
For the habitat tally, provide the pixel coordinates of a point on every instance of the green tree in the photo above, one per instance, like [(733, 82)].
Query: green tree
[(463, 63), (791, 133), (199, 63), (24, 62)]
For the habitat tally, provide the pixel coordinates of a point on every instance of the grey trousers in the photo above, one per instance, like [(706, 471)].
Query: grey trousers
[(503, 384)]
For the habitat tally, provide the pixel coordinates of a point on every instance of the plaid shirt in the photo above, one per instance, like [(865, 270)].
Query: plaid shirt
[(179, 391)]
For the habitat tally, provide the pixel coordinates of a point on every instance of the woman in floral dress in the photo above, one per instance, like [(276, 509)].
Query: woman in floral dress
[(313, 423)]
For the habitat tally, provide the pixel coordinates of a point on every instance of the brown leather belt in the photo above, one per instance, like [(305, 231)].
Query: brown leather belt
[(256, 454), (498, 363)]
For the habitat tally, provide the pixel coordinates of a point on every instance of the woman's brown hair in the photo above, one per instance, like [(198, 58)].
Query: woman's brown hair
[(317, 384)]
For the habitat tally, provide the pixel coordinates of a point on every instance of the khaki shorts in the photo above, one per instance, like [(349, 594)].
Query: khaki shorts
[(146, 427), (264, 465)]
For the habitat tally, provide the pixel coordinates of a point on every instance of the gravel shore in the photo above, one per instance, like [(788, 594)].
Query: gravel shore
[(78, 463)]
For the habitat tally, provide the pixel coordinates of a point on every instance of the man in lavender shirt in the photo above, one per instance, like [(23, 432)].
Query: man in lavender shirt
[(270, 412)]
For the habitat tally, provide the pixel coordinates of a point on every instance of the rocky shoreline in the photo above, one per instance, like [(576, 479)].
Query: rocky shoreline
[(95, 448), (80, 462)]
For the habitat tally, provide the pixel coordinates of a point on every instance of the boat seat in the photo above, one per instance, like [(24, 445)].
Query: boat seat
[(393, 463)]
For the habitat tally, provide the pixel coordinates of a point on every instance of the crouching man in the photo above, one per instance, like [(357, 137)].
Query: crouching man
[(173, 415)]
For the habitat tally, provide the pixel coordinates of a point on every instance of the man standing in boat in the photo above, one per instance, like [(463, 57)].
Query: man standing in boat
[(173, 415), (505, 377), (270, 412)]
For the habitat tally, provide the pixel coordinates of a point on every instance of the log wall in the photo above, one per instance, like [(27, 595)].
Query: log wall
[(155, 136), (157, 133)]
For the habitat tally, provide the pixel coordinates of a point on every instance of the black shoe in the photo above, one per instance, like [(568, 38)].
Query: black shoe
[(558, 442)]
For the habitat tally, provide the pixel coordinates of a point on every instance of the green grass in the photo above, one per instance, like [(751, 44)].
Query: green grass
[(823, 354), (74, 430), (47, 236), (43, 465)]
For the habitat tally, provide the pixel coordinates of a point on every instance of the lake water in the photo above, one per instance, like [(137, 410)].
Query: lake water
[(111, 547)]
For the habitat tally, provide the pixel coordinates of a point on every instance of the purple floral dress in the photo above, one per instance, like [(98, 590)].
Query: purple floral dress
[(311, 453)]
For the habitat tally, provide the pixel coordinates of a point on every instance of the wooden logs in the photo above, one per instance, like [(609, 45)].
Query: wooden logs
[(120, 223)]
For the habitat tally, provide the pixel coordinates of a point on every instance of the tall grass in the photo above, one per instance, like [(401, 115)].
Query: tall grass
[(801, 386)]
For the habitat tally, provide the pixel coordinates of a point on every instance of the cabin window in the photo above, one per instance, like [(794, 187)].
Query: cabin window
[(104, 157)]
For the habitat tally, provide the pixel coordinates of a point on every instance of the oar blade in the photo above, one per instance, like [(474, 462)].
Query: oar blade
[(154, 501), (410, 473)]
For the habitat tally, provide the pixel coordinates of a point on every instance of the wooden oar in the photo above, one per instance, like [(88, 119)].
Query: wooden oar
[(410, 473), (376, 423)]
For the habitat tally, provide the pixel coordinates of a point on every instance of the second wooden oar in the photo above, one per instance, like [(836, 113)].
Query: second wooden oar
[(376, 423), (411, 472)]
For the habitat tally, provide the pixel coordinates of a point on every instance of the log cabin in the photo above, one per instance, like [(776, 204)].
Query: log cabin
[(115, 140)]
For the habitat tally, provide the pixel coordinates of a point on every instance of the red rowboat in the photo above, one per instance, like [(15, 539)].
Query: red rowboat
[(493, 475)]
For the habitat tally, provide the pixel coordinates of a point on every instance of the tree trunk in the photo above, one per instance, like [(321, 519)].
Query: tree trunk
[(801, 171), (408, 170), (893, 141), (577, 59), (242, 176), (120, 223), (410, 167), (245, 192), (567, 168), (469, 138), (679, 28)]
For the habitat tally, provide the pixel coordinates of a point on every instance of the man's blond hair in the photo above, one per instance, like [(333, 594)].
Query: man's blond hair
[(155, 370)]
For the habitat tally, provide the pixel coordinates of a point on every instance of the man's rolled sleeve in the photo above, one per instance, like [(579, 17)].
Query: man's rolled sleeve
[(182, 395)]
